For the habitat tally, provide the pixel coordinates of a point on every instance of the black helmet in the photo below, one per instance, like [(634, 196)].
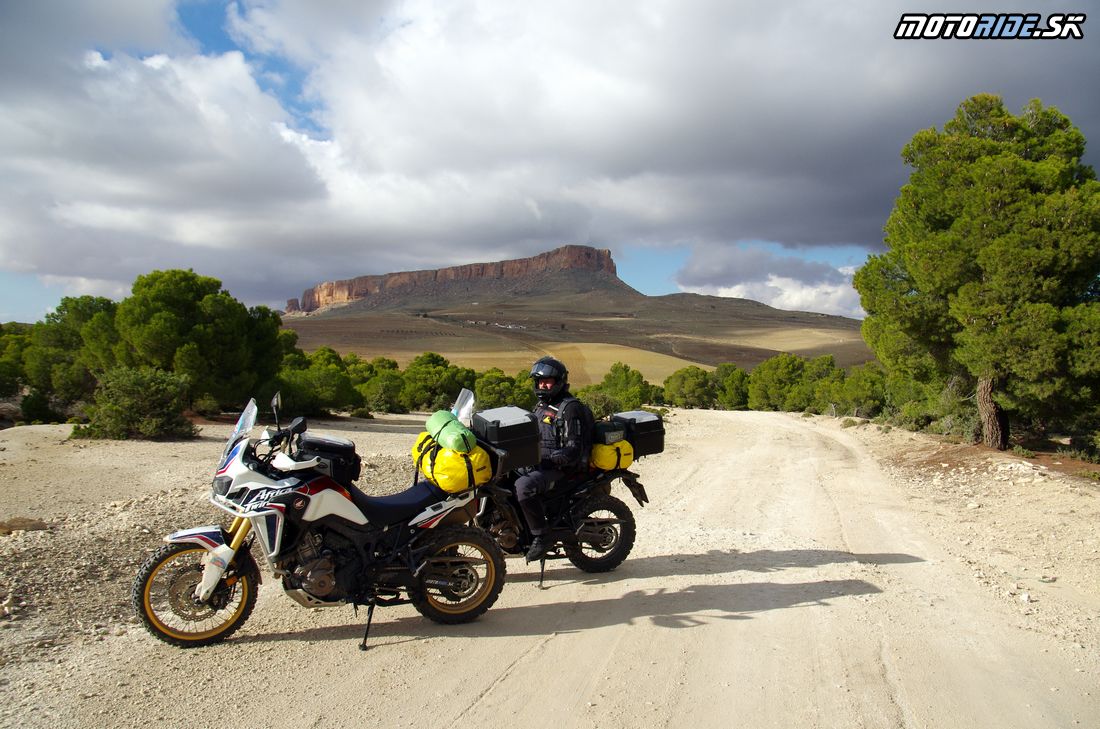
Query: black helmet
[(545, 368)]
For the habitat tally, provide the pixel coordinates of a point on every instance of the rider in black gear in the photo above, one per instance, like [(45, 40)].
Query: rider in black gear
[(561, 431)]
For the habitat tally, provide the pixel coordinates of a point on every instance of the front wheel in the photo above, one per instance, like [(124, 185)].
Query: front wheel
[(163, 596), (605, 532), (462, 577)]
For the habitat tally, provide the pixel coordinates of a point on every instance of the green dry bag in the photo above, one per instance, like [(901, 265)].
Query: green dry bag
[(447, 431)]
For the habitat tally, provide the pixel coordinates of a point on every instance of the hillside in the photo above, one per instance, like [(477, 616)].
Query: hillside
[(568, 302)]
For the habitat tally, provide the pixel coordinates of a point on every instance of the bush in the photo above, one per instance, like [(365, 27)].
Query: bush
[(36, 408), (1089, 444), (493, 389), (382, 393), (622, 388), (363, 413), (601, 403), (731, 386), (1078, 455), (138, 403), (773, 383), (1022, 452), (206, 405), (690, 387)]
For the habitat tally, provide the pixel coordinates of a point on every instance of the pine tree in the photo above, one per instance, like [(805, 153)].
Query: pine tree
[(992, 263)]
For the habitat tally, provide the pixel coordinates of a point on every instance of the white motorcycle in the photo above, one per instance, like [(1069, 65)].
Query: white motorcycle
[(329, 543)]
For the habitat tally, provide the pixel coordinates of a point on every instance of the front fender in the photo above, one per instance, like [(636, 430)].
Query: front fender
[(210, 536)]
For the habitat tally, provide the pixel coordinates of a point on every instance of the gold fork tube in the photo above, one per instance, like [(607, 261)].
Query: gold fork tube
[(242, 531)]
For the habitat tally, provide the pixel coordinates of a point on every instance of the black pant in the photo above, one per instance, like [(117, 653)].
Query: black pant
[(529, 490)]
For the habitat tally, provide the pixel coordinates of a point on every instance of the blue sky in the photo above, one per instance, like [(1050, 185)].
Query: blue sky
[(720, 147)]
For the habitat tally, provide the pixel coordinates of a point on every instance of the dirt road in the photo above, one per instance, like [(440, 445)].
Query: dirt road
[(783, 576)]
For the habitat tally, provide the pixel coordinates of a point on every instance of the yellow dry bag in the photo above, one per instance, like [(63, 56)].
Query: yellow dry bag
[(449, 469), (612, 457)]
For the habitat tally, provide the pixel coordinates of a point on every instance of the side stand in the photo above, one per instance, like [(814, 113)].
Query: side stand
[(370, 616)]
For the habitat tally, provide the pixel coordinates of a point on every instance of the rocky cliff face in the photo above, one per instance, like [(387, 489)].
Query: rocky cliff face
[(566, 258)]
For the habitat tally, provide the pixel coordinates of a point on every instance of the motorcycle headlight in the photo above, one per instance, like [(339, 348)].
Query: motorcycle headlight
[(221, 485)]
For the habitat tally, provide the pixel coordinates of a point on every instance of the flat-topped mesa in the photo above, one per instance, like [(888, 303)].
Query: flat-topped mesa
[(566, 258)]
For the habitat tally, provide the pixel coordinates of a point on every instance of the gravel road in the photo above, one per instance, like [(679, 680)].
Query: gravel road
[(787, 573)]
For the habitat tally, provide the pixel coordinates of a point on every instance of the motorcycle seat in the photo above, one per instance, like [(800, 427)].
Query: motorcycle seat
[(386, 510)]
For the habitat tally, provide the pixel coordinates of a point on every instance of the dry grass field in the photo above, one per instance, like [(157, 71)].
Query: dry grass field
[(402, 337), (589, 330)]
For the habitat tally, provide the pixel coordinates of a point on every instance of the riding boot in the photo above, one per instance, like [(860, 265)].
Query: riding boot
[(540, 545)]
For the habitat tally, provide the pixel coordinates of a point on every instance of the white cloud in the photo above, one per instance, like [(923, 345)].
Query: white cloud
[(793, 295), (753, 271), (81, 286)]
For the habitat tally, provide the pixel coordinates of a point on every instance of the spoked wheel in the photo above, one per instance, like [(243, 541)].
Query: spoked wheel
[(463, 576), (606, 534), (163, 596)]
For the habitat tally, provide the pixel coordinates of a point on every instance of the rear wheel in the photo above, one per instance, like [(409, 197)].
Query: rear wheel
[(463, 576), (606, 534), (163, 596)]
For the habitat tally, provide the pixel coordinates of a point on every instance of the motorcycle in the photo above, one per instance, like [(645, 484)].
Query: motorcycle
[(588, 526), (291, 493)]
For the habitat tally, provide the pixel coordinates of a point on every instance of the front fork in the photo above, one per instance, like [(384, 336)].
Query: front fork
[(219, 553)]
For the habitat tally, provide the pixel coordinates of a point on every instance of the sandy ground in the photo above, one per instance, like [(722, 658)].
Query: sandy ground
[(788, 573)]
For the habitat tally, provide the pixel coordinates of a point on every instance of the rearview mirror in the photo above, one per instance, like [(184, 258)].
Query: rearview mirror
[(276, 405)]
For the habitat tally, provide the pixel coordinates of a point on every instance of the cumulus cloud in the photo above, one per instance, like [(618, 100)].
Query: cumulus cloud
[(782, 281), (444, 133)]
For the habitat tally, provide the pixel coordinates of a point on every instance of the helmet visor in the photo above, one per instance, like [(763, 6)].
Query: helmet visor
[(543, 370)]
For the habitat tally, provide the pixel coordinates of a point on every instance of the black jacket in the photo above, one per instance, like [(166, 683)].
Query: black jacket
[(561, 431)]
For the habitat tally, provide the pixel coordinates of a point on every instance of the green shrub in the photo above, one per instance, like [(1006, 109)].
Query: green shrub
[(206, 405), (1022, 452), (623, 386), (138, 403), (382, 393), (601, 403), (848, 423), (363, 413), (493, 389), (774, 384), (36, 408), (1078, 455), (690, 387)]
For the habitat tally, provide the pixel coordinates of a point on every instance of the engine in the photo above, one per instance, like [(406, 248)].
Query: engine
[(504, 533), (326, 565)]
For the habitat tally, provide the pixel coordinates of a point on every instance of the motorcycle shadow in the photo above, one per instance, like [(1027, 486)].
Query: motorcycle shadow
[(664, 607), (350, 631), (688, 607), (672, 608), (715, 561)]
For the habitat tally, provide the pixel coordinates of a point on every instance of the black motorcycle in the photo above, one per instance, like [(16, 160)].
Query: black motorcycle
[(587, 525)]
